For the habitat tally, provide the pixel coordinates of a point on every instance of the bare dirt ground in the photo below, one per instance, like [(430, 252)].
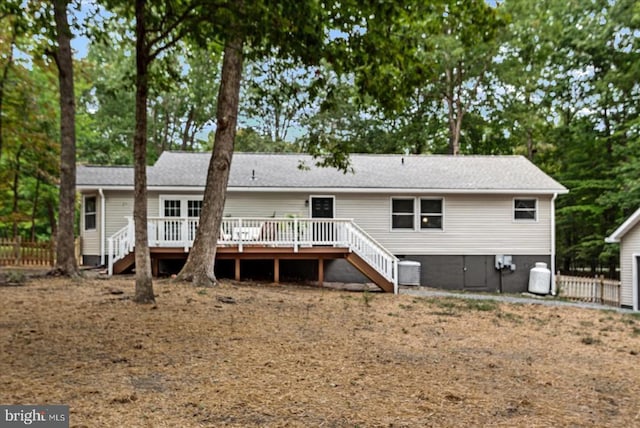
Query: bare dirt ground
[(264, 355)]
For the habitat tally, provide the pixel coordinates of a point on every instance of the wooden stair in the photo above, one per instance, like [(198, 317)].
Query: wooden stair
[(368, 271), (125, 263)]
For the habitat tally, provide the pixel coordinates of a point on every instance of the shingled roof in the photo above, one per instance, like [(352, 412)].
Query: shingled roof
[(269, 171)]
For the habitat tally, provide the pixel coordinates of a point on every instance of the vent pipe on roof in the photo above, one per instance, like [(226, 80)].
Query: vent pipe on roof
[(402, 160), (253, 174)]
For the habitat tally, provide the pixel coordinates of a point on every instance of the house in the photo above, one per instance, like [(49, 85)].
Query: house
[(628, 235), (472, 222)]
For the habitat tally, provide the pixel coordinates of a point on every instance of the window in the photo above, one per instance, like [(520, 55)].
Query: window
[(430, 213), (172, 208), (194, 208), (525, 209), (402, 213), (90, 213)]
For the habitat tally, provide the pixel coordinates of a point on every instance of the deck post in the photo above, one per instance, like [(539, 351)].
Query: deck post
[(155, 267), (295, 234), (320, 271), (237, 275), (276, 270)]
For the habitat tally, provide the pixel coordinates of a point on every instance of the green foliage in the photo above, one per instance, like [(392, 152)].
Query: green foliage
[(553, 80)]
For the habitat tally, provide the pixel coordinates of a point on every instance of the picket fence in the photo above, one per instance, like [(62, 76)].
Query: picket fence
[(17, 252), (589, 289)]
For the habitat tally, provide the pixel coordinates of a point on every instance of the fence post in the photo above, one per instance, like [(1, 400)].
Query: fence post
[(16, 250), (52, 252)]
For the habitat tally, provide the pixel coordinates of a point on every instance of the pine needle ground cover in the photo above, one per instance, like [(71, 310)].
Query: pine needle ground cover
[(264, 355)]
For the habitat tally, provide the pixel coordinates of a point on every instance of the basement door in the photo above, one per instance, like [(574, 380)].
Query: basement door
[(475, 273)]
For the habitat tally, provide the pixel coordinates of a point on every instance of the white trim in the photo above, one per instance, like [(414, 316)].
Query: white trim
[(634, 278), (413, 214), (624, 228), (553, 245), (183, 198), (524, 220), (103, 226), (84, 213), (365, 190), (333, 206), (419, 214)]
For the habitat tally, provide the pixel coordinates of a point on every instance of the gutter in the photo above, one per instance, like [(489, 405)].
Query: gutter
[(331, 190), (553, 244), (102, 224)]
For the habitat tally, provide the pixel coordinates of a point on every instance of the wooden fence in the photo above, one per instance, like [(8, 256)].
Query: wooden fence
[(16, 252), (589, 289)]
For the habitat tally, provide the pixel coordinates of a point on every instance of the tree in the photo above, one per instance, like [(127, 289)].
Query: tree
[(278, 93), (464, 53), (65, 247), (14, 25), (158, 29), (294, 30), (199, 266)]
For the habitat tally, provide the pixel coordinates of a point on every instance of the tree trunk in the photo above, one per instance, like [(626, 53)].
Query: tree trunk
[(65, 254), (34, 209), (3, 80), (16, 194), (199, 266), (144, 283)]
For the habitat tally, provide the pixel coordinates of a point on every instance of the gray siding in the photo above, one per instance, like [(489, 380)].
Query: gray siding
[(629, 246)]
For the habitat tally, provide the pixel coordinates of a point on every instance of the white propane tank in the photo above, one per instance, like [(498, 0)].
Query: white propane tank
[(540, 279)]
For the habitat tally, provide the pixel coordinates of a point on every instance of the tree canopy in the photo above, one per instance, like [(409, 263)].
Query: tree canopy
[(556, 81)]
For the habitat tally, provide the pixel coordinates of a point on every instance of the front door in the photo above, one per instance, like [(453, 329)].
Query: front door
[(322, 207)]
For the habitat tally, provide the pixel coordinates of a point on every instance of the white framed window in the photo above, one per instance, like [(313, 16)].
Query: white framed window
[(403, 213), (431, 213), (194, 207), (90, 213), (525, 209), (177, 209), (171, 208)]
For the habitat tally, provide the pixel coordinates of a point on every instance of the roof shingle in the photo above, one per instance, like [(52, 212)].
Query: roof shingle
[(282, 171)]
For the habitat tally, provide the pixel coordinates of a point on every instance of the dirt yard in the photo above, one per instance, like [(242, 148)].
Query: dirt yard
[(263, 355)]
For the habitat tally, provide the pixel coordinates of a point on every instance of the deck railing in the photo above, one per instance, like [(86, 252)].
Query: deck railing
[(272, 232)]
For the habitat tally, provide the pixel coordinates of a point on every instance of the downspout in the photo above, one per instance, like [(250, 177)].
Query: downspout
[(553, 244), (102, 225)]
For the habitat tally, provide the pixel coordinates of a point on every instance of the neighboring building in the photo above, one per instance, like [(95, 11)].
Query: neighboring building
[(453, 214), (628, 235)]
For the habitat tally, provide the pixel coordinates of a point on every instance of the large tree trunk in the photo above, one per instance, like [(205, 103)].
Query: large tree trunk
[(144, 283), (199, 266), (3, 81), (65, 254)]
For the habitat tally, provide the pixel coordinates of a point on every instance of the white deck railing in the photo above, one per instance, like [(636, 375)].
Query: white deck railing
[(271, 232)]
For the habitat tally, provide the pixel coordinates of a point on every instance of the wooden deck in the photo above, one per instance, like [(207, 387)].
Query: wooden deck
[(255, 252), (273, 239)]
